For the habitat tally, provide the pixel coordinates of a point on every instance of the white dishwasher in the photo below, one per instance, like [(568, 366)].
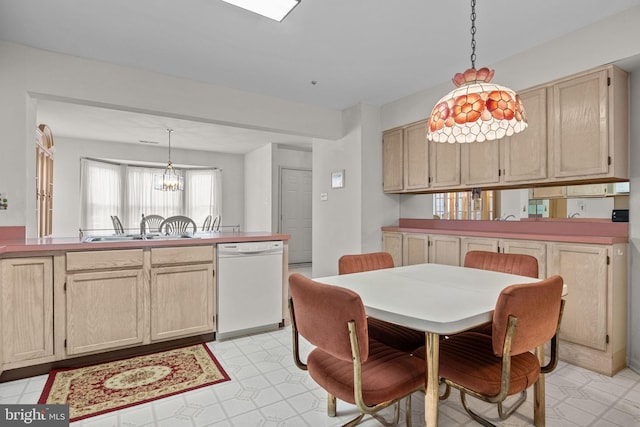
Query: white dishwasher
[(249, 287)]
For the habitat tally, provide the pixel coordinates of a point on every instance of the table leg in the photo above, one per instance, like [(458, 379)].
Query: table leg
[(431, 382), (539, 413)]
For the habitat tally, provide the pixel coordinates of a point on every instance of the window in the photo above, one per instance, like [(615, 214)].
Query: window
[(127, 191), (461, 205)]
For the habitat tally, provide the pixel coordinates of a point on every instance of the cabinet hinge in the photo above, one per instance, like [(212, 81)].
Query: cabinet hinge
[(608, 260), (609, 160), (607, 339), (608, 81)]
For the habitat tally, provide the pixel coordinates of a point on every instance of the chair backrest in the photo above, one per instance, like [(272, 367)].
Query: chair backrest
[(321, 313), (537, 307), (364, 262), (215, 224), (177, 225), (520, 264), (206, 225), (117, 225), (152, 222)]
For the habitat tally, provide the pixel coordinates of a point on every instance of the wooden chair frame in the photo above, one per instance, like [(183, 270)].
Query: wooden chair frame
[(178, 224), (152, 222)]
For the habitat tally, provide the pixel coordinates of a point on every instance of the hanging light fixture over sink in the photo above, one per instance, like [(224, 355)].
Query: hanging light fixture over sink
[(170, 180), (476, 110)]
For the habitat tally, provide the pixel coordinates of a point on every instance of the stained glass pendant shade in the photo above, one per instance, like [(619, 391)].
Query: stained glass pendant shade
[(477, 110)]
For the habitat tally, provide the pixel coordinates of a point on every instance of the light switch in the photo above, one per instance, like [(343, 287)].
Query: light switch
[(324, 197)]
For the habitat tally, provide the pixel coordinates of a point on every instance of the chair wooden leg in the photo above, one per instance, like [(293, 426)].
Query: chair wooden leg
[(331, 405)]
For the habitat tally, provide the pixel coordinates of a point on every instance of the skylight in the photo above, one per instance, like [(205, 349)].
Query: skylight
[(273, 9)]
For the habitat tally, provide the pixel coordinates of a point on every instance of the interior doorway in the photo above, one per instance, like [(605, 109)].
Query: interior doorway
[(295, 212)]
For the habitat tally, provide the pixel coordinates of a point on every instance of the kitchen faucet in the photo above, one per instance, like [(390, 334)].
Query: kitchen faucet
[(143, 228)]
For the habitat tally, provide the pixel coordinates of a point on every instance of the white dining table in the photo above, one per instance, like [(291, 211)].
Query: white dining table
[(439, 300)]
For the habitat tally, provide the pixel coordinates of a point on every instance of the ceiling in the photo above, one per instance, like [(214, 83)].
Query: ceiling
[(370, 51)]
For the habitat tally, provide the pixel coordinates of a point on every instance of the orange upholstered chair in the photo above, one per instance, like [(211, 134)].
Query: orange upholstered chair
[(520, 264), (346, 362), (492, 367), (396, 336)]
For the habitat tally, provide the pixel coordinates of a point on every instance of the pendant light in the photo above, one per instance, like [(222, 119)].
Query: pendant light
[(170, 180), (476, 110)]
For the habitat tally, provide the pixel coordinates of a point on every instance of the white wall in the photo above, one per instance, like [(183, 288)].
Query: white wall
[(337, 220), (257, 189), (66, 176), (27, 73), (634, 227)]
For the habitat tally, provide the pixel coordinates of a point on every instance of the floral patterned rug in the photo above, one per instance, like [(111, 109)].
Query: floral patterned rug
[(107, 387)]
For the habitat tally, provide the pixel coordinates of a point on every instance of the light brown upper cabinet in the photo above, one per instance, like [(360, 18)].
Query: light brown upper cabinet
[(392, 161), (590, 117), (520, 158), (413, 164), (577, 133)]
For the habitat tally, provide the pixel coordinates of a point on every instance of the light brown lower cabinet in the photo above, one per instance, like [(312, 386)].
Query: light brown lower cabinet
[(26, 321), (594, 326), (182, 296), (420, 248), (105, 308)]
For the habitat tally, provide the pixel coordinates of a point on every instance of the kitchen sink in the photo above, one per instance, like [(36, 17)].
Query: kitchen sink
[(134, 237)]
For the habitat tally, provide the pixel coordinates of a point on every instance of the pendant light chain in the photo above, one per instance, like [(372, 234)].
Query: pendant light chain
[(473, 33), (169, 130)]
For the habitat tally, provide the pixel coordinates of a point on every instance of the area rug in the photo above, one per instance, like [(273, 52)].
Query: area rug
[(106, 387)]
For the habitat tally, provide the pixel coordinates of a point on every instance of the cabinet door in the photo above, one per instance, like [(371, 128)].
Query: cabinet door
[(27, 308), (392, 158), (468, 244), (392, 243), (580, 125), (548, 192), (182, 301), (444, 250), (524, 155), (538, 250), (444, 164), (105, 310), (584, 270), (480, 163), (415, 248), (593, 190), (416, 157)]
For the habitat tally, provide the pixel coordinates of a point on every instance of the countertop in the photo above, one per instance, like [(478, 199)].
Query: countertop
[(558, 230), (25, 245)]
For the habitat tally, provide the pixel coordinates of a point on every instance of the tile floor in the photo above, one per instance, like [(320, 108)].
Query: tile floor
[(266, 389)]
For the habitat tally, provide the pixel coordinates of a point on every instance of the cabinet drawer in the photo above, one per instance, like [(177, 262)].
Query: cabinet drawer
[(98, 260), (181, 255)]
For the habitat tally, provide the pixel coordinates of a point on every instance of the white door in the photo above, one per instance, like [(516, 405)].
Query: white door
[(295, 212)]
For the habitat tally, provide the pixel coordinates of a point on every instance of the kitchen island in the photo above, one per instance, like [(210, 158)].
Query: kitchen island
[(65, 300)]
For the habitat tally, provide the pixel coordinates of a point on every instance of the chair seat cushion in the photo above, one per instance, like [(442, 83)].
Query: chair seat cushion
[(396, 336), (468, 359), (387, 374)]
